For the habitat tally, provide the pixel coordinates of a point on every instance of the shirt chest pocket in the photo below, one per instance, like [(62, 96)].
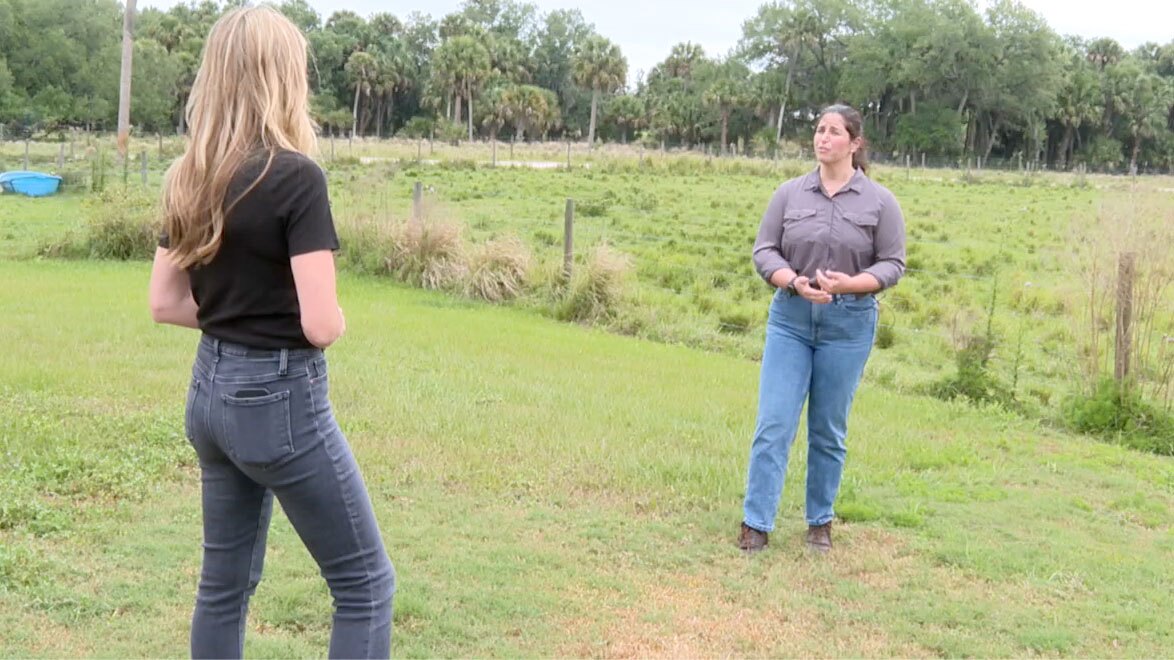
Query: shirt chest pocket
[(860, 229), (800, 224), (795, 216)]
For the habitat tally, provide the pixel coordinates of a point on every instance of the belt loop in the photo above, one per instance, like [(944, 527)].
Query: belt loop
[(284, 366), (216, 349)]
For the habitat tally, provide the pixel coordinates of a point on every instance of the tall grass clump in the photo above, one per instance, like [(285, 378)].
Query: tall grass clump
[(428, 254), (596, 287), (497, 270), (366, 241)]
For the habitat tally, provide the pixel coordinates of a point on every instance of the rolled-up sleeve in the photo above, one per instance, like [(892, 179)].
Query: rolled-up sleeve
[(889, 243), (768, 255)]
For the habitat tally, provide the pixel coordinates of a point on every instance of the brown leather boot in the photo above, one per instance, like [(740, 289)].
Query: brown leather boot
[(751, 540), (819, 537)]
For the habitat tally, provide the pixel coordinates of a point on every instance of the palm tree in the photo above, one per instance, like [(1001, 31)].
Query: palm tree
[(599, 65), (626, 111), (798, 29), (510, 59), (498, 108), (128, 49), (529, 108), (467, 65), (360, 70), (390, 76), (1105, 54), (1144, 111), (726, 93), (1077, 102), (682, 60)]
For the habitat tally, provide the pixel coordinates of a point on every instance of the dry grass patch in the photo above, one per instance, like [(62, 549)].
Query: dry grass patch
[(738, 608)]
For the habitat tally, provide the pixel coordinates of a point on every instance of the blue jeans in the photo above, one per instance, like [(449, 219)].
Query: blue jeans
[(261, 423), (814, 353)]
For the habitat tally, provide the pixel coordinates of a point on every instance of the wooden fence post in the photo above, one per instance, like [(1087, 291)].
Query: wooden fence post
[(418, 202), (60, 156), (1124, 317), (568, 154), (143, 159), (568, 238), (26, 153)]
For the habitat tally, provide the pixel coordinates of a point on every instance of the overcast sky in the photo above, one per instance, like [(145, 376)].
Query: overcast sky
[(647, 29)]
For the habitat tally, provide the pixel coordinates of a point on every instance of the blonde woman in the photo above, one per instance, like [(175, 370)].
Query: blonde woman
[(247, 258)]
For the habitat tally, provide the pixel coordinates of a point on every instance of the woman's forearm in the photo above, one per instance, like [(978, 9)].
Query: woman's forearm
[(181, 313)]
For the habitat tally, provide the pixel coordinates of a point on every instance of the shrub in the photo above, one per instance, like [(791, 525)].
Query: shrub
[(597, 287), (122, 223), (1120, 414), (596, 206), (428, 254), (973, 380), (498, 270), (417, 127)]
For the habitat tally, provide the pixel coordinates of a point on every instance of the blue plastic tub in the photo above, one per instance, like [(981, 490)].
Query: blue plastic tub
[(33, 184)]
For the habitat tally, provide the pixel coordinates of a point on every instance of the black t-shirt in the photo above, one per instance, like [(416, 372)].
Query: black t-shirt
[(246, 294)]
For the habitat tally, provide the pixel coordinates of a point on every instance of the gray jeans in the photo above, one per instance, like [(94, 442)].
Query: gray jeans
[(261, 423)]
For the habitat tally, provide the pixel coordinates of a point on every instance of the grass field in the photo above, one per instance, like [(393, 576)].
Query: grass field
[(1027, 240), (547, 489)]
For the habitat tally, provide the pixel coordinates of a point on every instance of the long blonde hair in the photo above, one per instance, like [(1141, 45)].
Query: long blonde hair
[(250, 94)]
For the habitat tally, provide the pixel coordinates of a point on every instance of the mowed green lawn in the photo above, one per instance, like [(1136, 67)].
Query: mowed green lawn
[(548, 490)]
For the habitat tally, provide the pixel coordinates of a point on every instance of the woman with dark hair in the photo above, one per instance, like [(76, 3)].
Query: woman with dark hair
[(828, 241)]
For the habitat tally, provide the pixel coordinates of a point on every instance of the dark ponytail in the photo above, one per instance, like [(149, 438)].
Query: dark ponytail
[(855, 125)]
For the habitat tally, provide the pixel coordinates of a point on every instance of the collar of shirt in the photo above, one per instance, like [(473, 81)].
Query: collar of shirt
[(854, 184)]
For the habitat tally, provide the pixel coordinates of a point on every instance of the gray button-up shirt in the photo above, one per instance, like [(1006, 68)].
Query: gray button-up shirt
[(859, 229)]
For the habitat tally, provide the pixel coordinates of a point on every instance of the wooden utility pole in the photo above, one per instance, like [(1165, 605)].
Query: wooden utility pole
[(128, 51)]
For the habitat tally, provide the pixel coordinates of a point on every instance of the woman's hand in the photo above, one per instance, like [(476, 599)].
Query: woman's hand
[(803, 286), (833, 281)]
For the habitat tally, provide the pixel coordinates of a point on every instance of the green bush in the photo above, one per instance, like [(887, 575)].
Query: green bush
[(1120, 414), (597, 206), (417, 127), (122, 223), (973, 380)]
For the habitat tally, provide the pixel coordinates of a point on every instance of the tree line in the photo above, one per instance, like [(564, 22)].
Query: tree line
[(932, 77)]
